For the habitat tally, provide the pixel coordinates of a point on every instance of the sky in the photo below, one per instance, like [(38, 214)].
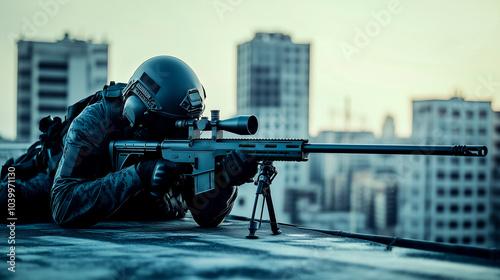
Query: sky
[(371, 58)]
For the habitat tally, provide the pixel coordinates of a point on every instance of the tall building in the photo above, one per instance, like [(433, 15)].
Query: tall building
[(494, 156), (443, 198), (54, 75), (273, 84)]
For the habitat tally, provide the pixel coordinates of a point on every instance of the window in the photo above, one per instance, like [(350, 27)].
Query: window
[(454, 192), (480, 239), (467, 224), (440, 192), (483, 114), (439, 224), (442, 112), (481, 176), (468, 192), (453, 240), (467, 208), (454, 175), (440, 208), (439, 239), (453, 224), (468, 176), (440, 175), (469, 114), (481, 192), (481, 224), (53, 65), (480, 208), (456, 113), (466, 240), (454, 208), (52, 80)]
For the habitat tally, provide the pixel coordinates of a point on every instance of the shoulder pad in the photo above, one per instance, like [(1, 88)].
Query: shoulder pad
[(113, 90)]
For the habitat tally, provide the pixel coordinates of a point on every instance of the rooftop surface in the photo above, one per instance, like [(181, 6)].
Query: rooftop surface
[(179, 249)]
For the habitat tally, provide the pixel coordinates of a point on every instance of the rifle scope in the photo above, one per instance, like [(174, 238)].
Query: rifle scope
[(242, 125)]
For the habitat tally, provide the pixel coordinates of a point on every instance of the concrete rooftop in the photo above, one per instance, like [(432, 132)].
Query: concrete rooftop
[(179, 249)]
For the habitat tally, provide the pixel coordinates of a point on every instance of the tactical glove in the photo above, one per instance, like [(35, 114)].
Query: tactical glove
[(159, 176), (238, 168)]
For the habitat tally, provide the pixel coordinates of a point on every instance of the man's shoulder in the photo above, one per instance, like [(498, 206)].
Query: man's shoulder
[(94, 112)]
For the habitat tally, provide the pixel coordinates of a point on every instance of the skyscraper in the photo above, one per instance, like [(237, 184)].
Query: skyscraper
[(447, 199), (273, 84), (54, 75)]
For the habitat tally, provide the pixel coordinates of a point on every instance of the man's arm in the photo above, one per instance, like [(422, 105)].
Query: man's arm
[(79, 196)]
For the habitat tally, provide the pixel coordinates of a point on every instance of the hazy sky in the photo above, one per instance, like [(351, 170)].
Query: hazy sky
[(379, 54)]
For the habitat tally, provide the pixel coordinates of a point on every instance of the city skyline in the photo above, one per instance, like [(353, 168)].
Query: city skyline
[(380, 55)]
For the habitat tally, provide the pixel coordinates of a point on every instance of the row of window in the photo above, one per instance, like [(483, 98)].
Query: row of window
[(467, 208), (457, 113), (459, 160), (455, 192), (52, 109), (455, 175), (481, 224), (468, 131), (480, 239)]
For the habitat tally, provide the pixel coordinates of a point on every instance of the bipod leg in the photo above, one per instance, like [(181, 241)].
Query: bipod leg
[(254, 225), (266, 193), (266, 176)]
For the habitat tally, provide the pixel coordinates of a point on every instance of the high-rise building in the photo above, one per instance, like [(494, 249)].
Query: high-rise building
[(54, 75), (443, 198), (494, 156), (273, 84)]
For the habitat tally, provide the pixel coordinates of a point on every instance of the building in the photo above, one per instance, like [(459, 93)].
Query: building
[(360, 185), (444, 198), (494, 157), (334, 172), (54, 75), (273, 85)]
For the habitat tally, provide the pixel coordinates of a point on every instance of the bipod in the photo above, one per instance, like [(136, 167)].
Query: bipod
[(267, 174)]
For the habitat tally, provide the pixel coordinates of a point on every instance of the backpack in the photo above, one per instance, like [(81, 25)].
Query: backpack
[(43, 156)]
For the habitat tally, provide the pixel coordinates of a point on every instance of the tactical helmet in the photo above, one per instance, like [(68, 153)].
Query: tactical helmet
[(166, 86)]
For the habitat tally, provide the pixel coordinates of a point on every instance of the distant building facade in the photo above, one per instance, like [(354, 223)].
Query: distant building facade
[(494, 156), (273, 84), (444, 198), (360, 186), (54, 75)]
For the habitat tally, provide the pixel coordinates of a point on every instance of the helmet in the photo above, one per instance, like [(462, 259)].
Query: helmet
[(165, 86)]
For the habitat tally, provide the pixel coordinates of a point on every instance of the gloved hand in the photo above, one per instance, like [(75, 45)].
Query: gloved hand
[(159, 176), (238, 168)]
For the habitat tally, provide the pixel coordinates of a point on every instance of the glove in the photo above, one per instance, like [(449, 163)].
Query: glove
[(238, 168), (159, 176)]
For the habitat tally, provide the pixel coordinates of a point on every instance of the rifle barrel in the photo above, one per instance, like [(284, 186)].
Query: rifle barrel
[(451, 150)]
